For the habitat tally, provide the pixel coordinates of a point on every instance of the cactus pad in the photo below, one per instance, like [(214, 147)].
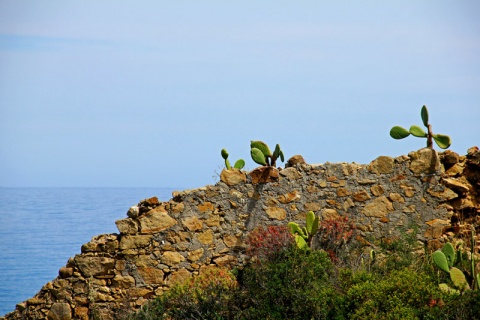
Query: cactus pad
[(418, 132), (262, 146), (458, 279), (312, 223), (443, 141), (424, 114), (239, 164), (449, 252), (398, 132), (440, 261), (224, 154), (258, 156)]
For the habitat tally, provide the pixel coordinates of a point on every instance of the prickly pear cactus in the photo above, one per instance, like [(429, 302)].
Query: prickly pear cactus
[(239, 164), (262, 155), (304, 236), (443, 141)]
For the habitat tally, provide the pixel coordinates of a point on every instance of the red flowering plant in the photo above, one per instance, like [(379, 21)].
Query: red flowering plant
[(265, 243), (335, 235)]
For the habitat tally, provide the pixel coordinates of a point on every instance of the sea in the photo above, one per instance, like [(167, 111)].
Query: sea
[(41, 228)]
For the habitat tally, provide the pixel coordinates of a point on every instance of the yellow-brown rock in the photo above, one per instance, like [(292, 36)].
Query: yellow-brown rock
[(156, 220), (193, 223), (425, 160), (382, 165), (171, 258), (233, 176), (379, 207), (276, 213)]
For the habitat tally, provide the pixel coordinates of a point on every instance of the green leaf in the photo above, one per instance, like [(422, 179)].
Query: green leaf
[(424, 114), (440, 261), (449, 252), (224, 154), (262, 146), (281, 156), (418, 132), (301, 243), (276, 152), (258, 156), (442, 140), (295, 229), (309, 221), (398, 132), (239, 164), (458, 279)]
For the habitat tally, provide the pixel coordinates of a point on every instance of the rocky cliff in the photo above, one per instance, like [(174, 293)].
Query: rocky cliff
[(162, 243)]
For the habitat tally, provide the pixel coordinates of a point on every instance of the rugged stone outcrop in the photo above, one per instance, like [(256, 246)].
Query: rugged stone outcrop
[(162, 243)]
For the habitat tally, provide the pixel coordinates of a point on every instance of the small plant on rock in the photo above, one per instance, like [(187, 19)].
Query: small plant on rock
[(262, 155), (239, 164), (443, 141), (304, 236)]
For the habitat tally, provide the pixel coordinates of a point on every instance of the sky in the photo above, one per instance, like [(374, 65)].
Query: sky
[(147, 93)]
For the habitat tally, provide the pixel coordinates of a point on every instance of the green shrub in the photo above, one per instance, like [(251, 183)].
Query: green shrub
[(295, 287), (403, 294)]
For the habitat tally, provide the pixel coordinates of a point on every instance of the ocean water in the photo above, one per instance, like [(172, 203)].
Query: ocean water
[(41, 228)]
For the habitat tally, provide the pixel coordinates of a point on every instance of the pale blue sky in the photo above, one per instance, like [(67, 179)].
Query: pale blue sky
[(147, 93)]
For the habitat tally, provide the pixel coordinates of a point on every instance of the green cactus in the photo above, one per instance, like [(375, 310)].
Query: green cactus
[(444, 259), (304, 236), (239, 164), (262, 155), (443, 141)]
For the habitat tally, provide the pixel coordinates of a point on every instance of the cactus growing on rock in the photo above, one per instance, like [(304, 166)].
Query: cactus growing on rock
[(262, 155), (239, 164), (443, 141), (303, 236)]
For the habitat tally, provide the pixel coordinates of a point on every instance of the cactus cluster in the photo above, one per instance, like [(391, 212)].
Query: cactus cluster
[(443, 141), (239, 164), (303, 236), (262, 155), (445, 259)]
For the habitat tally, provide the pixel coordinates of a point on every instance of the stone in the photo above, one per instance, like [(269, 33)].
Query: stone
[(264, 174), (225, 261), (232, 177), (60, 311), (276, 213), (205, 237), (444, 195), (425, 161), (150, 202), (206, 207), (171, 258), (65, 272), (379, 207), (329, 214), (95, 266), (382, 165), (134, 242), (377, 190), (178, 277), (342, 192), (156, 220), (289, 197), (293, 161), (123, 282), (232, 241), (461, 184), (312, 206), (396, 197), (291, 173), (151, 276), (449, 158), (81, 313), (361, 196), (133, 212), (193, 223), (195, 255), (127, 226)]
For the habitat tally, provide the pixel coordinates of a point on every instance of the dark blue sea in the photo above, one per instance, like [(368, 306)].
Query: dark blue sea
[(40, 228)]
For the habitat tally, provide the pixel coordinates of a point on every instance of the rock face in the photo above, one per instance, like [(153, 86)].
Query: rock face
[(163, 243)]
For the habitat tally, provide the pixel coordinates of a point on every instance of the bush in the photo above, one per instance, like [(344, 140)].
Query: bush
[(403, 294), (294, 287), (266, 243)]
